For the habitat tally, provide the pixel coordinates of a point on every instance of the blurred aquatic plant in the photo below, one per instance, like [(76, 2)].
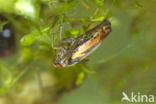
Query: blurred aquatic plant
[(27, 8), (35, 48), (30, 72), (5, 77)]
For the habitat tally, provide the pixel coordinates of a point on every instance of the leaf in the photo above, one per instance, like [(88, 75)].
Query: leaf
[(100, 2), (137, 4), (26, 55), (80, 78), (28, 8), (7, 81), (97, 19), (27, 40), (75, 31), (108, 14), (7, 5), (62, 8), (5, 75)]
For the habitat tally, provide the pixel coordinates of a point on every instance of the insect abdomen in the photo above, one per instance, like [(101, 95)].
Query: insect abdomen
[(97, 35)]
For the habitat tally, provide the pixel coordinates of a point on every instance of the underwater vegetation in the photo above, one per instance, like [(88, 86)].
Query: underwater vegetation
[(124, 62)]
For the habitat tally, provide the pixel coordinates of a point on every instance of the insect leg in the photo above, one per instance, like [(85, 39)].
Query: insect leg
[(52, 31), (58, 47), (68, 41), (52, 42), (61, 28)]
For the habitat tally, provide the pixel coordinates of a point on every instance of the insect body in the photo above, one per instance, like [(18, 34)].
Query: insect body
[(82, 46)]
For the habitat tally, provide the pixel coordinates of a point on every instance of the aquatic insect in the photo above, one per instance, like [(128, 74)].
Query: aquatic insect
[(78, 48)]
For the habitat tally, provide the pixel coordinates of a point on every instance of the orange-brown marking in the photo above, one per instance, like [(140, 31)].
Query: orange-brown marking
[(88, 45)]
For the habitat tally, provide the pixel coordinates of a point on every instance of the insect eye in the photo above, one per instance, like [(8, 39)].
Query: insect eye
[(56, 64)]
